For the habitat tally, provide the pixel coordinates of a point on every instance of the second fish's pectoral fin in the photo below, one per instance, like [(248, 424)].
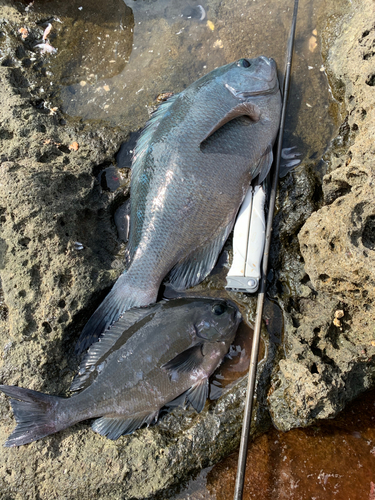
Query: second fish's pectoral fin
[(198, 265), (264, 165), (242, 109), (198, 395), (99, 349), (115, 427), (186, 361)]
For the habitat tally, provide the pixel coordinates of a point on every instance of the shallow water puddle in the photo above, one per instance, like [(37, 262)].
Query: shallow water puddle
[(114, 62), (335, 459)]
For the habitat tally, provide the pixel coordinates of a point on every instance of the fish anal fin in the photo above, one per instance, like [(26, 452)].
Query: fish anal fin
[(198, 394), (186, 361), (114, 427), (177, 402), (198, 265), (242, 109)]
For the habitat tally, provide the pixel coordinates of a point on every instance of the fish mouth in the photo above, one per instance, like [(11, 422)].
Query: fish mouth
[(268, 60), (244, 94)]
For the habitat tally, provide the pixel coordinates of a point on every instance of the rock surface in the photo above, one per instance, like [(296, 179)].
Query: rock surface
[(329, 338), (60, 253)]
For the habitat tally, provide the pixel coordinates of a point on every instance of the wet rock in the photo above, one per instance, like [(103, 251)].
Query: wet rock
[(329, 337)]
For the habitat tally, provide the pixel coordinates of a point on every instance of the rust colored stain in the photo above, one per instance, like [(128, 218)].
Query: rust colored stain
[(335, 459)]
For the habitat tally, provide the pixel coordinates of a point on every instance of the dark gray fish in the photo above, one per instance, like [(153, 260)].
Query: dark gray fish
[(192, 167), (147, 359)]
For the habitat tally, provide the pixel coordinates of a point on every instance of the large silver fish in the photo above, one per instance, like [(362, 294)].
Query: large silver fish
[(192, 167), (149, 358)]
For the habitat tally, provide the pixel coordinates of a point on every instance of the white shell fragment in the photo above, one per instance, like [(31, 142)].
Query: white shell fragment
[(45, 48), (47, 31), (203, 12)]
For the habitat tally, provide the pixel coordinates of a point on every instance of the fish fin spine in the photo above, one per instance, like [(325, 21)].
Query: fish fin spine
[(34, 413)]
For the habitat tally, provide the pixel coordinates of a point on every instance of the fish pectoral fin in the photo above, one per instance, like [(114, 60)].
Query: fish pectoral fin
[(115, 427), (197, 266), (186, 361), (198, 394), (242, 109), (264, 165)]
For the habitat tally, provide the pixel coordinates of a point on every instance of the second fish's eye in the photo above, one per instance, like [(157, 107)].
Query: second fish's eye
[(244, 63), (219, 309)]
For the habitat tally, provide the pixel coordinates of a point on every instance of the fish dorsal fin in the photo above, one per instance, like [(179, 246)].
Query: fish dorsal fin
[(186, 361), (242, 109), (264, 165), (113, 428), (108, 339), (198, 394), (198, 265), (139, 169), (145, 137)]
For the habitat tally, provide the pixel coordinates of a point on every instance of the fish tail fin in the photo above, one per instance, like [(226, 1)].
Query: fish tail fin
[(122, 297), (34, 413)]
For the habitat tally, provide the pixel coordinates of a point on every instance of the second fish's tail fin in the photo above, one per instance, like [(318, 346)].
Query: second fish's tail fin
[(34, 413), (122, 297)]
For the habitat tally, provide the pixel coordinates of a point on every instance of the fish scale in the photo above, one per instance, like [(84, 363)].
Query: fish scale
[(192, 166), (149, 358)]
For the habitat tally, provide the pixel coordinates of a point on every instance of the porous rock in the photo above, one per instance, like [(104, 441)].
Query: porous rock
[(59, 255), (330, 356)]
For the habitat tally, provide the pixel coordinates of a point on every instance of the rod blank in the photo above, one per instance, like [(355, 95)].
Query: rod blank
[(262, 288)]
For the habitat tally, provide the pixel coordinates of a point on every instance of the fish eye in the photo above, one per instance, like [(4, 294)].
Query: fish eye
[(219, 309), (244, 63)]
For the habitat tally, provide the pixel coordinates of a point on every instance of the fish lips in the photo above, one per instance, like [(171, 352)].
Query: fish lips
[(237, 316), (269, 61)]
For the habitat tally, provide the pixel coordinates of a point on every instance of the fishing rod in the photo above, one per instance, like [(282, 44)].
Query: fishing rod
[(262, 287)]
